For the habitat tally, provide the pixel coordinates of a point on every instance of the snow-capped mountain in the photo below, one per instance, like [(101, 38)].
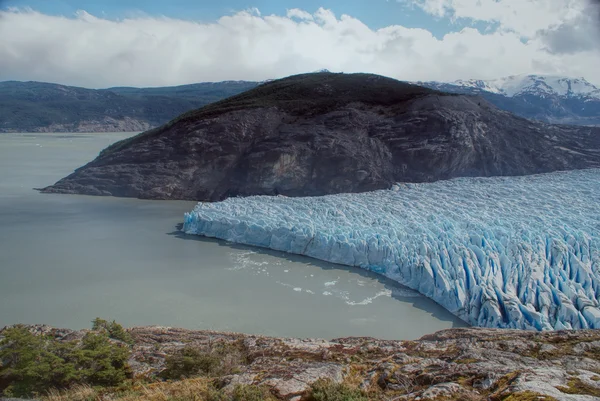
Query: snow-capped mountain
[(552, 99), (539, 85)]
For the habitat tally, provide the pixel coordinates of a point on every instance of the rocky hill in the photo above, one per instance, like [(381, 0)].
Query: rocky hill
[(324, 133), (551, 99), (45, 107)]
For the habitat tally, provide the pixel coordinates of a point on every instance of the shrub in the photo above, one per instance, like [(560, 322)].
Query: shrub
[(190, 362), (32, 364), (326, 390), (113, 329), (217, 360), (100, 362), (251, 393)]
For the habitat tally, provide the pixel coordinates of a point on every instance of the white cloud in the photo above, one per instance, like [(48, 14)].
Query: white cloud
[(525, 17), (299, 14), (151, 51)]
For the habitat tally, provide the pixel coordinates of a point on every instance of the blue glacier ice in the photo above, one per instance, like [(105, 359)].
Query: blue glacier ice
[(508, 252)]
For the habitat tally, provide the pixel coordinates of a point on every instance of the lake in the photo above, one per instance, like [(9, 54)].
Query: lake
[(66, 259)]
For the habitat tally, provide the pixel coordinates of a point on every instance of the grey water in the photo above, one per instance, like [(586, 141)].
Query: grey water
[(66, 259)]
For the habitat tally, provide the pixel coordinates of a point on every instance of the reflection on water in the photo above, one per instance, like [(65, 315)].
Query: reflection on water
[(66, 259)]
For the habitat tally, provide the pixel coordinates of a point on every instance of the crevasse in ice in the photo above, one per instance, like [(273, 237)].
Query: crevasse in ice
[(512, 252)]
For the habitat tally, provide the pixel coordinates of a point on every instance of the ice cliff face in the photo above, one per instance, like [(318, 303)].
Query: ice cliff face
[(508, 252)]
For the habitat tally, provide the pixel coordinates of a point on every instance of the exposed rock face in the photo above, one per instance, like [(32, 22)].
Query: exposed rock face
[(456, 364), (328, 133)]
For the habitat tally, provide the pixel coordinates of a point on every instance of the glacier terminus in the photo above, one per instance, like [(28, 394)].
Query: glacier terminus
[(503, 252)]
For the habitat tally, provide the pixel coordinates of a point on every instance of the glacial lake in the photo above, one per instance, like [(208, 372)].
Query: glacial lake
[(66, 259)]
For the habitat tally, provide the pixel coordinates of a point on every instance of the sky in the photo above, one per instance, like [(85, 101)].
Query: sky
[(108, 43)]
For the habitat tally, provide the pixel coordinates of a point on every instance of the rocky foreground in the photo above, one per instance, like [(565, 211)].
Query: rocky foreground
[(324, 133), (456, 364)]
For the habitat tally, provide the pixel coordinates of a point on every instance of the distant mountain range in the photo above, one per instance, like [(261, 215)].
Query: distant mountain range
[(551, 99), (46, 107)]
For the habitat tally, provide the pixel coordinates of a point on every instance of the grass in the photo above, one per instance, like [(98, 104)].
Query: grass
[(502, 385), (529, 396), (326, 390), (197, 389), (576, 386)]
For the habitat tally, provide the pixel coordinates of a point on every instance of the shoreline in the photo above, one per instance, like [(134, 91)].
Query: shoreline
[(458, 364)]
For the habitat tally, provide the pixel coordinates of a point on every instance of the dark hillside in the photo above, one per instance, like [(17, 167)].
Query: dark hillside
[(324, 133)]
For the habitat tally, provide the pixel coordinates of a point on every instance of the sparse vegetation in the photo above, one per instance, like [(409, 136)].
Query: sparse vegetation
[(502, 385), (93, 367), (529, 396), (326, 390), (198, 389), (577, 386), (251, 393), (190, 361)]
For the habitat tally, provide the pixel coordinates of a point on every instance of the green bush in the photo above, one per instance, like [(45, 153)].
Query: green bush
[(32, 364), (241, 392), (190, 362), (113, 329), (217, 360), (251, 393), (326, 390)]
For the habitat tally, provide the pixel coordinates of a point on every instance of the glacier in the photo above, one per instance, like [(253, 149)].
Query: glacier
[(503, 252)]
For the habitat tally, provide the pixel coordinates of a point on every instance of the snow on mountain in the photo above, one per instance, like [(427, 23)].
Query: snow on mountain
[(540, 85), (510, 252), (551, 99)]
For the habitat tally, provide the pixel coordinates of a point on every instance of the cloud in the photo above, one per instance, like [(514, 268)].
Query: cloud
[(579, 33), (573, 36), (299, 14), (90, 51), (524, 17)]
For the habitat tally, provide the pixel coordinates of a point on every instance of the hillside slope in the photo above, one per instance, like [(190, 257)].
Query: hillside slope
[(324, 133), (45, 107)]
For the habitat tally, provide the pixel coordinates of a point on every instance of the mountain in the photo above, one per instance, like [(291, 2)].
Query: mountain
[(324, 133), (551, 99), (45, 107)]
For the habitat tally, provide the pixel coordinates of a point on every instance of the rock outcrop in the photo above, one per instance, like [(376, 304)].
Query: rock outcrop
[(327, 133), (455, 364)]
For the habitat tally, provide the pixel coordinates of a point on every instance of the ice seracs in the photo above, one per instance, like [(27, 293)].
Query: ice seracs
[(509, 252)]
